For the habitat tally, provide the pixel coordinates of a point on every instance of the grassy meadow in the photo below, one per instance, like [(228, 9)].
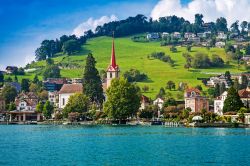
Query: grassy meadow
[(131, 54)]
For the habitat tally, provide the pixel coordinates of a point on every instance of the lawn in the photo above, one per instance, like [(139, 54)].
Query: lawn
[(131, 54)]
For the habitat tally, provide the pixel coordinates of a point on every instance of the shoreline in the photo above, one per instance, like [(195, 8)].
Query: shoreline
[(93, 123)]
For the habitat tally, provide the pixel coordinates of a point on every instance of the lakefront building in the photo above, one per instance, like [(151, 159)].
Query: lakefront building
[(219, 103), (66, 91), (113, 70), (25, 108), (195, 101)]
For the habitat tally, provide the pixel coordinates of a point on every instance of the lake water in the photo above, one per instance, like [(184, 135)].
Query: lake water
[(118, 146)]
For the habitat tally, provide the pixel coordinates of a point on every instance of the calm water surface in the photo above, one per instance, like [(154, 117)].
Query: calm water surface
[(108, 146)]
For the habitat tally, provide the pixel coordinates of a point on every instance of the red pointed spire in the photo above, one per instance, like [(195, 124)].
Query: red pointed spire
[(113, 61)]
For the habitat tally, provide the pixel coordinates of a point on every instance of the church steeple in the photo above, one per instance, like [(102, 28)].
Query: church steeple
[(113, 61), (113, 69)]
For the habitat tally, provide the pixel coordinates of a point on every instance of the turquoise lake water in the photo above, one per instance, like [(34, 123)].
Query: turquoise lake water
[(118, 146)]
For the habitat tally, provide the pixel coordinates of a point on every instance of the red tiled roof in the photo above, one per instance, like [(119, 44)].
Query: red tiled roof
[(189, 90), (244, 93), (71, 88)]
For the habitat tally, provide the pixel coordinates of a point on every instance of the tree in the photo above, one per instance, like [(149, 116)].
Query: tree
[(149, 112), (217, 61), (15, 79), (233, 101), (25, 85), (173, 49), (228, 77), (243, 26), (123, 99), (47, 110), (217, 90), (189, 47), (39, 107), (161, 93), (51, 70), (77, 103), (145, 88), (170, 85), (134, 75), (221, 24), (43, 95), (92, 82), (9, 93), (71, 46), (201, 60), (170, 102), (235, 27), (1, 77), (236, 84), (35, 80), (11, 106), (222, 88), (34, 88), (244, 81)]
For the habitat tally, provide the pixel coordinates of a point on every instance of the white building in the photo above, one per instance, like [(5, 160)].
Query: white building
[(153, 36), (189, 35), (53, 97), (176, 35), (194, 39), (217, 80), (221, 36), (159, 102), (165, 34), (219, 103), (220, 44), (145, 101), (66, 91)]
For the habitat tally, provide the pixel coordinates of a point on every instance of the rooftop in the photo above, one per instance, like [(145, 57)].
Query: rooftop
[(71, 88)]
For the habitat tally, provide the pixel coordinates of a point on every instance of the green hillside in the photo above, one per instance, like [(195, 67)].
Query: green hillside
[(131, 54)]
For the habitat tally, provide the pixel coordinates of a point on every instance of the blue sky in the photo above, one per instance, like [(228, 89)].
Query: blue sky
[(25, 23)]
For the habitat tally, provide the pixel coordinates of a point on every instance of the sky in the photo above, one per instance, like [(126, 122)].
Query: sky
[(26, 23)]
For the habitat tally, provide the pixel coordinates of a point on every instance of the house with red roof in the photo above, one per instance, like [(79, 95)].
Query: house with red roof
[(25, 108), (195, 101), (66, 91), (145, 101)]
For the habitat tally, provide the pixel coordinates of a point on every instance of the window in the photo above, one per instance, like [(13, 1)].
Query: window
[(110, 75), (63, 101)]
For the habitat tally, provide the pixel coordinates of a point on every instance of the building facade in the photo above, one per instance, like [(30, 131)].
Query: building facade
[(66, 91), (219, 103), (25, 108), (195, 101), (145, 101)]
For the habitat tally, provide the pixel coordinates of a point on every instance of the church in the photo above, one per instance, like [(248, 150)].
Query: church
[(113, 70)]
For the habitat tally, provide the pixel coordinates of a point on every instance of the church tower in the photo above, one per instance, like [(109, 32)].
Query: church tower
[(113, 69)]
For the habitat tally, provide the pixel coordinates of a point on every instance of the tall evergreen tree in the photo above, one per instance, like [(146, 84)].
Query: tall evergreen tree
[(236, 84), (232, 102), (244, 82), (35, 80), (217, 90), (228, 77), (222, 88), (92, 81), (25, 85)]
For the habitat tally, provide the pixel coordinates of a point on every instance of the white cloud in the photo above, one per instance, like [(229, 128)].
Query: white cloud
[(91, 24), (232, 10)]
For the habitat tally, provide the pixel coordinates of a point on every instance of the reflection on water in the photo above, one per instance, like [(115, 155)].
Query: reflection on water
[(122, 145)]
